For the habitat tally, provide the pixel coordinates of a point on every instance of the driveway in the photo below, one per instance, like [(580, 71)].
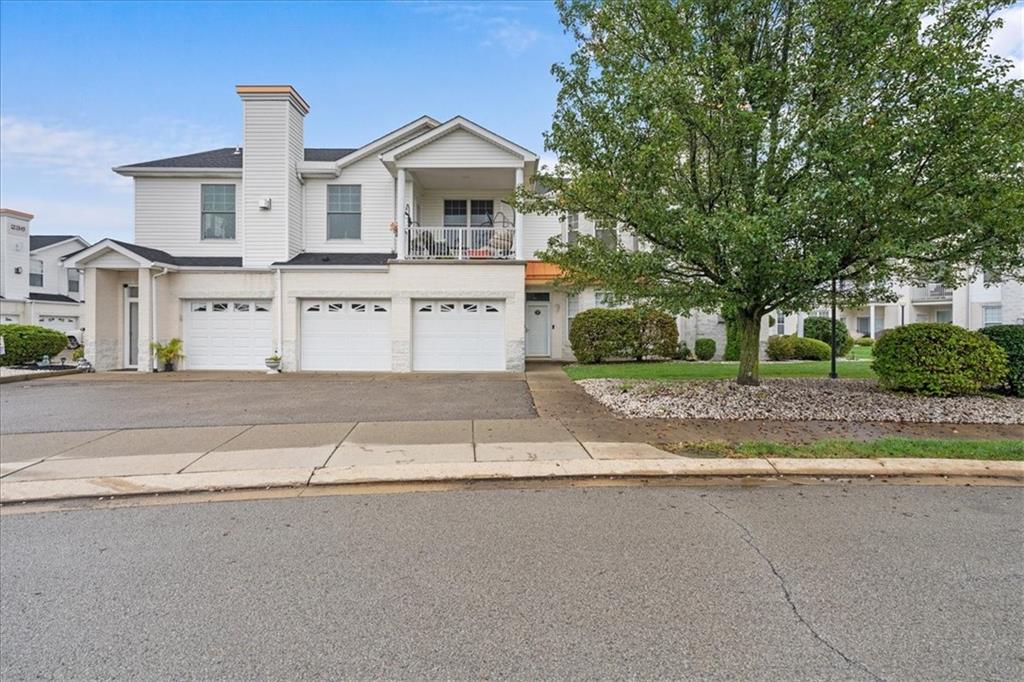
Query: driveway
[(120, 401)]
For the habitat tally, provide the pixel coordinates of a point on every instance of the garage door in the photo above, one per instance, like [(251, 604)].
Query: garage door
[(10, 319), (234, 334), (346, 335), (61, 323), (458, 335)]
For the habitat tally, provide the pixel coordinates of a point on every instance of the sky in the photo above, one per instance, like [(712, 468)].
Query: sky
[(88, 86)]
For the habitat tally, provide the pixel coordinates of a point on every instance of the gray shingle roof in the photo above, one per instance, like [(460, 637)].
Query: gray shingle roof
[(225, 157), (328, 259), (158, 256), (39, 241), (52, 298)]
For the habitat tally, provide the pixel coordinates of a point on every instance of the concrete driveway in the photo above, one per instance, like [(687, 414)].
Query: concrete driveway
[(122, 401)]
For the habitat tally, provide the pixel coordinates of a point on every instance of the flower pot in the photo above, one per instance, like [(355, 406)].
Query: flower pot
[(273, 367), (168, 366)]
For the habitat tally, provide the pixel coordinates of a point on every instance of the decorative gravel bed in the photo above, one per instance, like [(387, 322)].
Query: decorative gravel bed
[(796, 400)]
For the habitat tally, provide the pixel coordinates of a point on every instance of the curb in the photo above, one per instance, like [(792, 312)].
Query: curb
[(39, 375), (122, 486)]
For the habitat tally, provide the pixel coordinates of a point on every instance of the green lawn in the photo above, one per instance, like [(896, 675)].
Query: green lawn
[(714, 370), (884, 447), (861, 352)]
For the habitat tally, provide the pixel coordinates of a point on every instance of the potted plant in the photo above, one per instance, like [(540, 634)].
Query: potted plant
[(167, 353), (273, 363)]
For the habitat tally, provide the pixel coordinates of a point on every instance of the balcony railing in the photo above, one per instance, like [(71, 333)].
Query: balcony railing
[(931, 292), (460, 243)]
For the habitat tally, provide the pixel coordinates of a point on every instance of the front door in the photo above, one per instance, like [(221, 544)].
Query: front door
[(131, 326), (538, 328)]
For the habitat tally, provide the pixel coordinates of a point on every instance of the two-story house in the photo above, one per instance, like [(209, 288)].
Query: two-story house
[(398, 255), (35, 287)]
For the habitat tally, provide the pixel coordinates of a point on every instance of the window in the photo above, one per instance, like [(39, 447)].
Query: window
[(864, 325), (603, 299), (344, 211), (469, 307), (991, 314), (491, 309), (426, 308), (944, 316), (218, 211), (455, 214), (481, 212), (35, 273), (199, 307), (378, 308), (572, 228), (780, 324), (74, 281), (605, 232), (241, 307), (357, 307), (260, 308), (447, 307), (335, 307), (572, 308), (220, 307)]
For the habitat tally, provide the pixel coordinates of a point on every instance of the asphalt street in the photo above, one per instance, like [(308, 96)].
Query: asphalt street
[(99, 402), (777, 582)]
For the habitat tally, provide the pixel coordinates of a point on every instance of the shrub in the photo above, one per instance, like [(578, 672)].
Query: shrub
[(78, 353), (601, 333), (658, 335), (704, 349), (820, 328), (26, 343), (684, 351), (811, 349), (1010, 337), (781, 347), (732, 341), (937, 359), (864, 341)]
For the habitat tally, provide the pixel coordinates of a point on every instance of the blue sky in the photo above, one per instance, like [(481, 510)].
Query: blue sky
[(86, 86)]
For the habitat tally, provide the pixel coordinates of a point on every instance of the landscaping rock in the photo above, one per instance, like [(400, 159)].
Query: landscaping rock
[(796, 400)]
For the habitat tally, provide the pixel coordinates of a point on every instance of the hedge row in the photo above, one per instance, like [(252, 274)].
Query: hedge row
[(820, 328), (794, 347), (600, 334), (26, 343), (1010, 337)]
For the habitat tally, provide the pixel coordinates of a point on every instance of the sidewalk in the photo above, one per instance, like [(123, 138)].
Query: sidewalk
[(60, 465)]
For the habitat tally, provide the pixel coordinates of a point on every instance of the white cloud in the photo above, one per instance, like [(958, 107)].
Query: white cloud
[(494, 20), (1008, 41)]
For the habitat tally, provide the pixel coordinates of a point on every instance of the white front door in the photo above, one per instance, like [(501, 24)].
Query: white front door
[(454, 335), (233, 334), (538, 328), (346, 335)]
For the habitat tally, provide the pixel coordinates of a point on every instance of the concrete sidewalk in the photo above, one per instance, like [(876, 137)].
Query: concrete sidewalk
[(49, 466)]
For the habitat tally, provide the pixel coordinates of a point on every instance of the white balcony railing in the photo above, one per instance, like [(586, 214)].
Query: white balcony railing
[(460, 243), (931, 292)]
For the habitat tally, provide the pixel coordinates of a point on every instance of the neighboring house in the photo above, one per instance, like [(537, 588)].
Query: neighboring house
[(401, 254), (35, 287)]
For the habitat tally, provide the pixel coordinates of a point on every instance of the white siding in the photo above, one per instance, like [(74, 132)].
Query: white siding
[(378, 210), (295, 203), (55, 275), (460, 149), (540, 228), (14, 253), (432, 203), (168, 216), (265, 167)]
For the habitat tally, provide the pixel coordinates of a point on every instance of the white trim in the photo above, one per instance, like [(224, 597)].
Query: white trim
[(385, 140), (126, 350), (79, 259), (163, 172), (63, 241), (457, 123)]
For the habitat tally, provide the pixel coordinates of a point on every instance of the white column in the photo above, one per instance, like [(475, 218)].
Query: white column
[(871, 320), (400, 213), (147, 358), (520, 222), (800, 323)]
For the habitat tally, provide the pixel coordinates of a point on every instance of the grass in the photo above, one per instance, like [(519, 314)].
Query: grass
[(714, 370), (861, 353), (944, 448)]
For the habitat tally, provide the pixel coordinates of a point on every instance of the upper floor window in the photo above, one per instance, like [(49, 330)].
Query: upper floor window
[(218, 211), (604, 230), (481, 212), (991, 315), (474, 213), (344, 211), (572, 227), (74, 277), (35, 273)]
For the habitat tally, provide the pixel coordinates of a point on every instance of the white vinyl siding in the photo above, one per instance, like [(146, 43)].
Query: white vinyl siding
[(460, 149), (344, 212), (377, 203), (168, 217), (296, 212), (266, 168), (539, 229)]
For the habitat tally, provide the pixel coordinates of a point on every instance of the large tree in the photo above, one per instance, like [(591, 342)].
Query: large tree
[(761, 148)]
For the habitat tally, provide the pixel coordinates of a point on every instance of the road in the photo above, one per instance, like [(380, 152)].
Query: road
[(776, 582), (112, 401)]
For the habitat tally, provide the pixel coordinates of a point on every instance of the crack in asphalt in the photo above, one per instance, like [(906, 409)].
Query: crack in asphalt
[(748, 538)]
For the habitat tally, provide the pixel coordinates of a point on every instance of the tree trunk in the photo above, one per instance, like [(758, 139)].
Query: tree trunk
[(748, 324)]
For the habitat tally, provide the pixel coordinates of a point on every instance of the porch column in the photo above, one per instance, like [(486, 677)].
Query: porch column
[(400, 214), (520, 222), (145, 320), (871, 320), (800, 323)]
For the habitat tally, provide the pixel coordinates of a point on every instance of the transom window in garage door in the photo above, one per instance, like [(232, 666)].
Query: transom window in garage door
[(223, 307), (464, 308)]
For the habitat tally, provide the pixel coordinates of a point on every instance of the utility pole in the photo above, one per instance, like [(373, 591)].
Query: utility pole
[(832, 374)]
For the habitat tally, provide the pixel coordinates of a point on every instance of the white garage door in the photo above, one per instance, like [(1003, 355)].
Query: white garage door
[(10, 319), (227, 334), (458, 335), (346, 335), (61, 323)]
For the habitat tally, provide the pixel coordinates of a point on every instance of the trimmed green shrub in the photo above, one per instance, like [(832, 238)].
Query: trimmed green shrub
[(658, 335), (820, 328), (732, 341), (782, 347), (811, 349), (25, 343), (937, 359), (1010, 337), (704, 349), (864, 341), (601, 333), (684, 351)]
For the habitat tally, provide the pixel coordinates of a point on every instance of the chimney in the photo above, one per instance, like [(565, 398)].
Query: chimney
[(271, 195)]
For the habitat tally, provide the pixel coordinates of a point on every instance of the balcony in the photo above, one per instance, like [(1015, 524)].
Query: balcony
[(488, 242), (931, 293)]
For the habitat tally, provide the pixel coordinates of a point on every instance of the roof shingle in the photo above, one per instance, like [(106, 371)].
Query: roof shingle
[(231, 157)]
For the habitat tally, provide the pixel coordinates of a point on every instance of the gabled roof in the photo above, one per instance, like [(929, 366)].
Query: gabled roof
[(337, 259), (457, 123), (51, 298), (42, 241), (225, 159), (390, 139), (148, 257)]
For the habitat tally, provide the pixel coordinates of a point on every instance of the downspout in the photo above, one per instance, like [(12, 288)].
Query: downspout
[(152, 317)]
